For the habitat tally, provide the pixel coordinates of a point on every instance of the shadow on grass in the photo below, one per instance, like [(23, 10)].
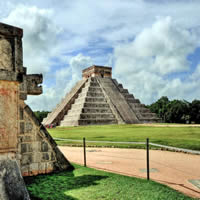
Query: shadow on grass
[(55, 186)]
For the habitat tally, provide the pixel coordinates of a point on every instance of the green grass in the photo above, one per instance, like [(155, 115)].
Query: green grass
[(183, 137), (90, 184)]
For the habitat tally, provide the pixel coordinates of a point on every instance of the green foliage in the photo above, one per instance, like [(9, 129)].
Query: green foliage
[(176, 111), (182, 136), (195, 111), (160, 107), (41, 115), (90, 184)]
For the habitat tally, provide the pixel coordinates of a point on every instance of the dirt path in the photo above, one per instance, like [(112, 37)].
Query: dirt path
[(177, 170)]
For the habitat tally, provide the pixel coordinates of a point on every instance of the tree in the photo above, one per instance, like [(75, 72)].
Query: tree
[(160, 107), (195, 111), (177, 111), (41, 115)]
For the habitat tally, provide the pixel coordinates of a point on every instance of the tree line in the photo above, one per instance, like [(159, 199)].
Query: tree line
[(176, 111)]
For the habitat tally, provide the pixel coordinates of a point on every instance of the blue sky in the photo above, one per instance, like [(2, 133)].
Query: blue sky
[(153, 46)]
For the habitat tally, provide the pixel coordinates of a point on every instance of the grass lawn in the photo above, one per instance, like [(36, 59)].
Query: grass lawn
[(90, 184), (183, 137)]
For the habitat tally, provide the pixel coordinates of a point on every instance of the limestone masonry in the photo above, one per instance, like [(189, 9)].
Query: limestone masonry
[(99, 99), (26, 148)]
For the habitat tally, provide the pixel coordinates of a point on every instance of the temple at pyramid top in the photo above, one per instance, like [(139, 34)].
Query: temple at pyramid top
[(97, 71), (99, 99)]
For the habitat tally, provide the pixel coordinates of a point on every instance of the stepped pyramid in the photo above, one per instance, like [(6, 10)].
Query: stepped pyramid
[(99, 99)]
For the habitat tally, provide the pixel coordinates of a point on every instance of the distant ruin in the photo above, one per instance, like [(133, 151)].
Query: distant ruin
[(26, 148), (99, 99)]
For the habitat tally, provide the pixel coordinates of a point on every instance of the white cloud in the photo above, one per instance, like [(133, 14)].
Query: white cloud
[(146, 64), (40, 36)]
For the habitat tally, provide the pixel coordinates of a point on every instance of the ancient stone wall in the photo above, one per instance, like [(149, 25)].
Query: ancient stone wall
[(37, 151), (25, 145)]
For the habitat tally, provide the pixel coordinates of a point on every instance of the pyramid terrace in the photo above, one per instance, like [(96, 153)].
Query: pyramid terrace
[(99, 99)]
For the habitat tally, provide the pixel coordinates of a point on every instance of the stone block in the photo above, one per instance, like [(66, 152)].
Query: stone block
[(28, 127), (45, 157), (27, 159), (21, 127), (49, 167), (37, 157), (21, 113), (33, 169), (52, 156), (26, 147), (44, 146), (26, 138), (42, 167), (36, 146)]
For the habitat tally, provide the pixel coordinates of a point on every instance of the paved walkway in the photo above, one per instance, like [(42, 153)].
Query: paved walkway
[(177, 170)]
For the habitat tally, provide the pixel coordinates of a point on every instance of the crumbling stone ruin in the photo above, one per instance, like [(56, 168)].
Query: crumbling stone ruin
[(99, 99), (26, 148)]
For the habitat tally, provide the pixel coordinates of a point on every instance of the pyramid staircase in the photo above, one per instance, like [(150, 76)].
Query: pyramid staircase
[(98, 99), (62, 108), (90, 107)]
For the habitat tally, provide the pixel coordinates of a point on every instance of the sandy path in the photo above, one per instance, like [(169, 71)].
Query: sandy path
[(170, 168)]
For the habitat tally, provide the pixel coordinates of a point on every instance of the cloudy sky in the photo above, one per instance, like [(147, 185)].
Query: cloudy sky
[(153, 46)]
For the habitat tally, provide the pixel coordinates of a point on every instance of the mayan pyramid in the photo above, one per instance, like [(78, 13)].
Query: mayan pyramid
[(98, 99)]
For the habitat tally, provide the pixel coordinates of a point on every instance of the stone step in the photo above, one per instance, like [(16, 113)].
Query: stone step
[(132, 100), (90, 105), (72, 116), (138, 105), (142, 110), (91, 94), (128, 96), (93, 84), (97, 121), (90, 99), (89, 110), (96, 110), (78, 115), (93, 79), (69, 123), (95, 99), (92, 89), (124, 91), (120, 85), (96, 116), (96, 105)]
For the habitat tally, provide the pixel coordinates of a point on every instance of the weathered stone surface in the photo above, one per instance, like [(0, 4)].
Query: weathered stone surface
[(5, 55), (8, 116), (20, 132), (33, 80), (38, 149), (12, 185)]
